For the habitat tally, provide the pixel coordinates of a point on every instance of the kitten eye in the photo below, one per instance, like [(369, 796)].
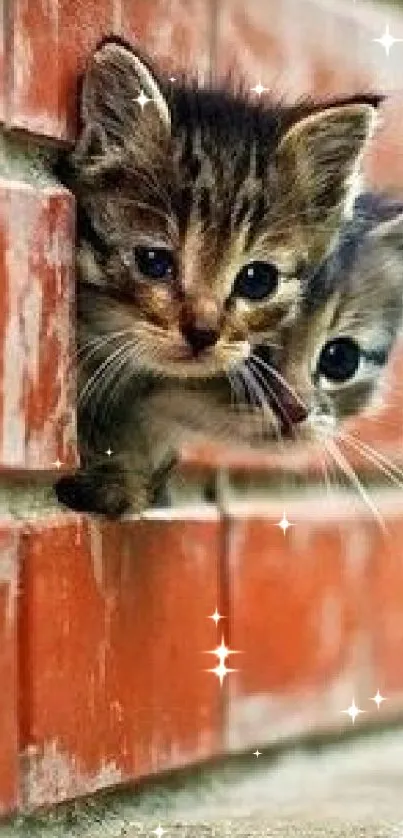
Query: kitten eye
[(155, 263), (339, 359), (256, 281)]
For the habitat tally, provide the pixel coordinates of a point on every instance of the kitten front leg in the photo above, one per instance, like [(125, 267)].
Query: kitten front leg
[(110, 490), (101, 489)]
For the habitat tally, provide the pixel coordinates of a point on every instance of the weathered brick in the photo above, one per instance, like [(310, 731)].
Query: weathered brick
[(52, 42), (115, 625), (2, 62), (385, 599), (295, 49), (8, 668), (299, 616), (37, 424), (177, 35)]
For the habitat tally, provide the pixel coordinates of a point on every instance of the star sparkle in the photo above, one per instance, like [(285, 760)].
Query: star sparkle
[(258, 88), (159, 831), (58, 463), (216, 617), (378, 699), (284, 524), (142, 99), (221, 671), (222, 652), (387, 40), (257, 753), (353, 711), (109, 452)]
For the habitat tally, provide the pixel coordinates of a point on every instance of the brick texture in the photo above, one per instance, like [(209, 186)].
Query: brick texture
[(36, 404), (2, 63), (106, 676), (52, 42), (115, 627), (385, 602), (8, 668), (303, 608)]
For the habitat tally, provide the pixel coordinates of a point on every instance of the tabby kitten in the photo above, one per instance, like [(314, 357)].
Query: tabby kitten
[(200, 214), (334, 355)]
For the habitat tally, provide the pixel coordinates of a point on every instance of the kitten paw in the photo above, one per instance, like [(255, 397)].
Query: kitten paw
[(84, 492)]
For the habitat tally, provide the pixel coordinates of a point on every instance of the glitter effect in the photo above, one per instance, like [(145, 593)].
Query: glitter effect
[(387, 40), (159, 832), (257, 753), (378, 699), (142, 99), (222, 652), (216, 617), (353, 711), (258, 88), (57, 463), (284, 524)]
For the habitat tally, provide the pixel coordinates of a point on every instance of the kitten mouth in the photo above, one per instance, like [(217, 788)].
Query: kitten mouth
[(181, 361)]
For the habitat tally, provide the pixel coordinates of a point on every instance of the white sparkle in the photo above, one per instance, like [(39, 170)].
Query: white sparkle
[(258, 88), (257, 753), (159, 832), (216, 617), (142, 99), (284, 524), (57, 463), (378, 698), (353, 711), (387, 40), (109, 452), (172, 78), (222, 652), (221, 671)]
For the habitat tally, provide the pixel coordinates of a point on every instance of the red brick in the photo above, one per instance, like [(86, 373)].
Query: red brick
[(37, 395), (385, 603), (2, 63), (8, 668), (52, 42), (114, 626), (178, 35), (321, 50), (299, 610), (290, 48)]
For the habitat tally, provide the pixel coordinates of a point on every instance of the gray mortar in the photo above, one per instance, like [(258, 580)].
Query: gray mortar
[(349, 789), (23, 160)]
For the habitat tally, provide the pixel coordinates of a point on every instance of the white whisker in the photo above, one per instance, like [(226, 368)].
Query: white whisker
[(350, 473)]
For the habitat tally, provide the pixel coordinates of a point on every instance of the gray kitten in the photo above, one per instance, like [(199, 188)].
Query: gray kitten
[(202, 221)]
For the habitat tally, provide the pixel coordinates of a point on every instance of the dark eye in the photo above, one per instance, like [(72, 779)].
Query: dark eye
[(339, 359), (256, 281), (156, 263)]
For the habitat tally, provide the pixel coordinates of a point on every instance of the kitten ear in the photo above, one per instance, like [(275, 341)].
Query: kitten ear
[(320, 157), (113, 110)]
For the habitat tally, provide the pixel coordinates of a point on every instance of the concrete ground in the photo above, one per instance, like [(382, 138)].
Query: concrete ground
[(353, 789)]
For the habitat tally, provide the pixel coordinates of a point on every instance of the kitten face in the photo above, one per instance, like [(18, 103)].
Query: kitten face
[(198, 212), (334, 357)]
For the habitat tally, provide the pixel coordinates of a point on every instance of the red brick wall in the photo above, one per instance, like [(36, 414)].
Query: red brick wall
[(104, 627)]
